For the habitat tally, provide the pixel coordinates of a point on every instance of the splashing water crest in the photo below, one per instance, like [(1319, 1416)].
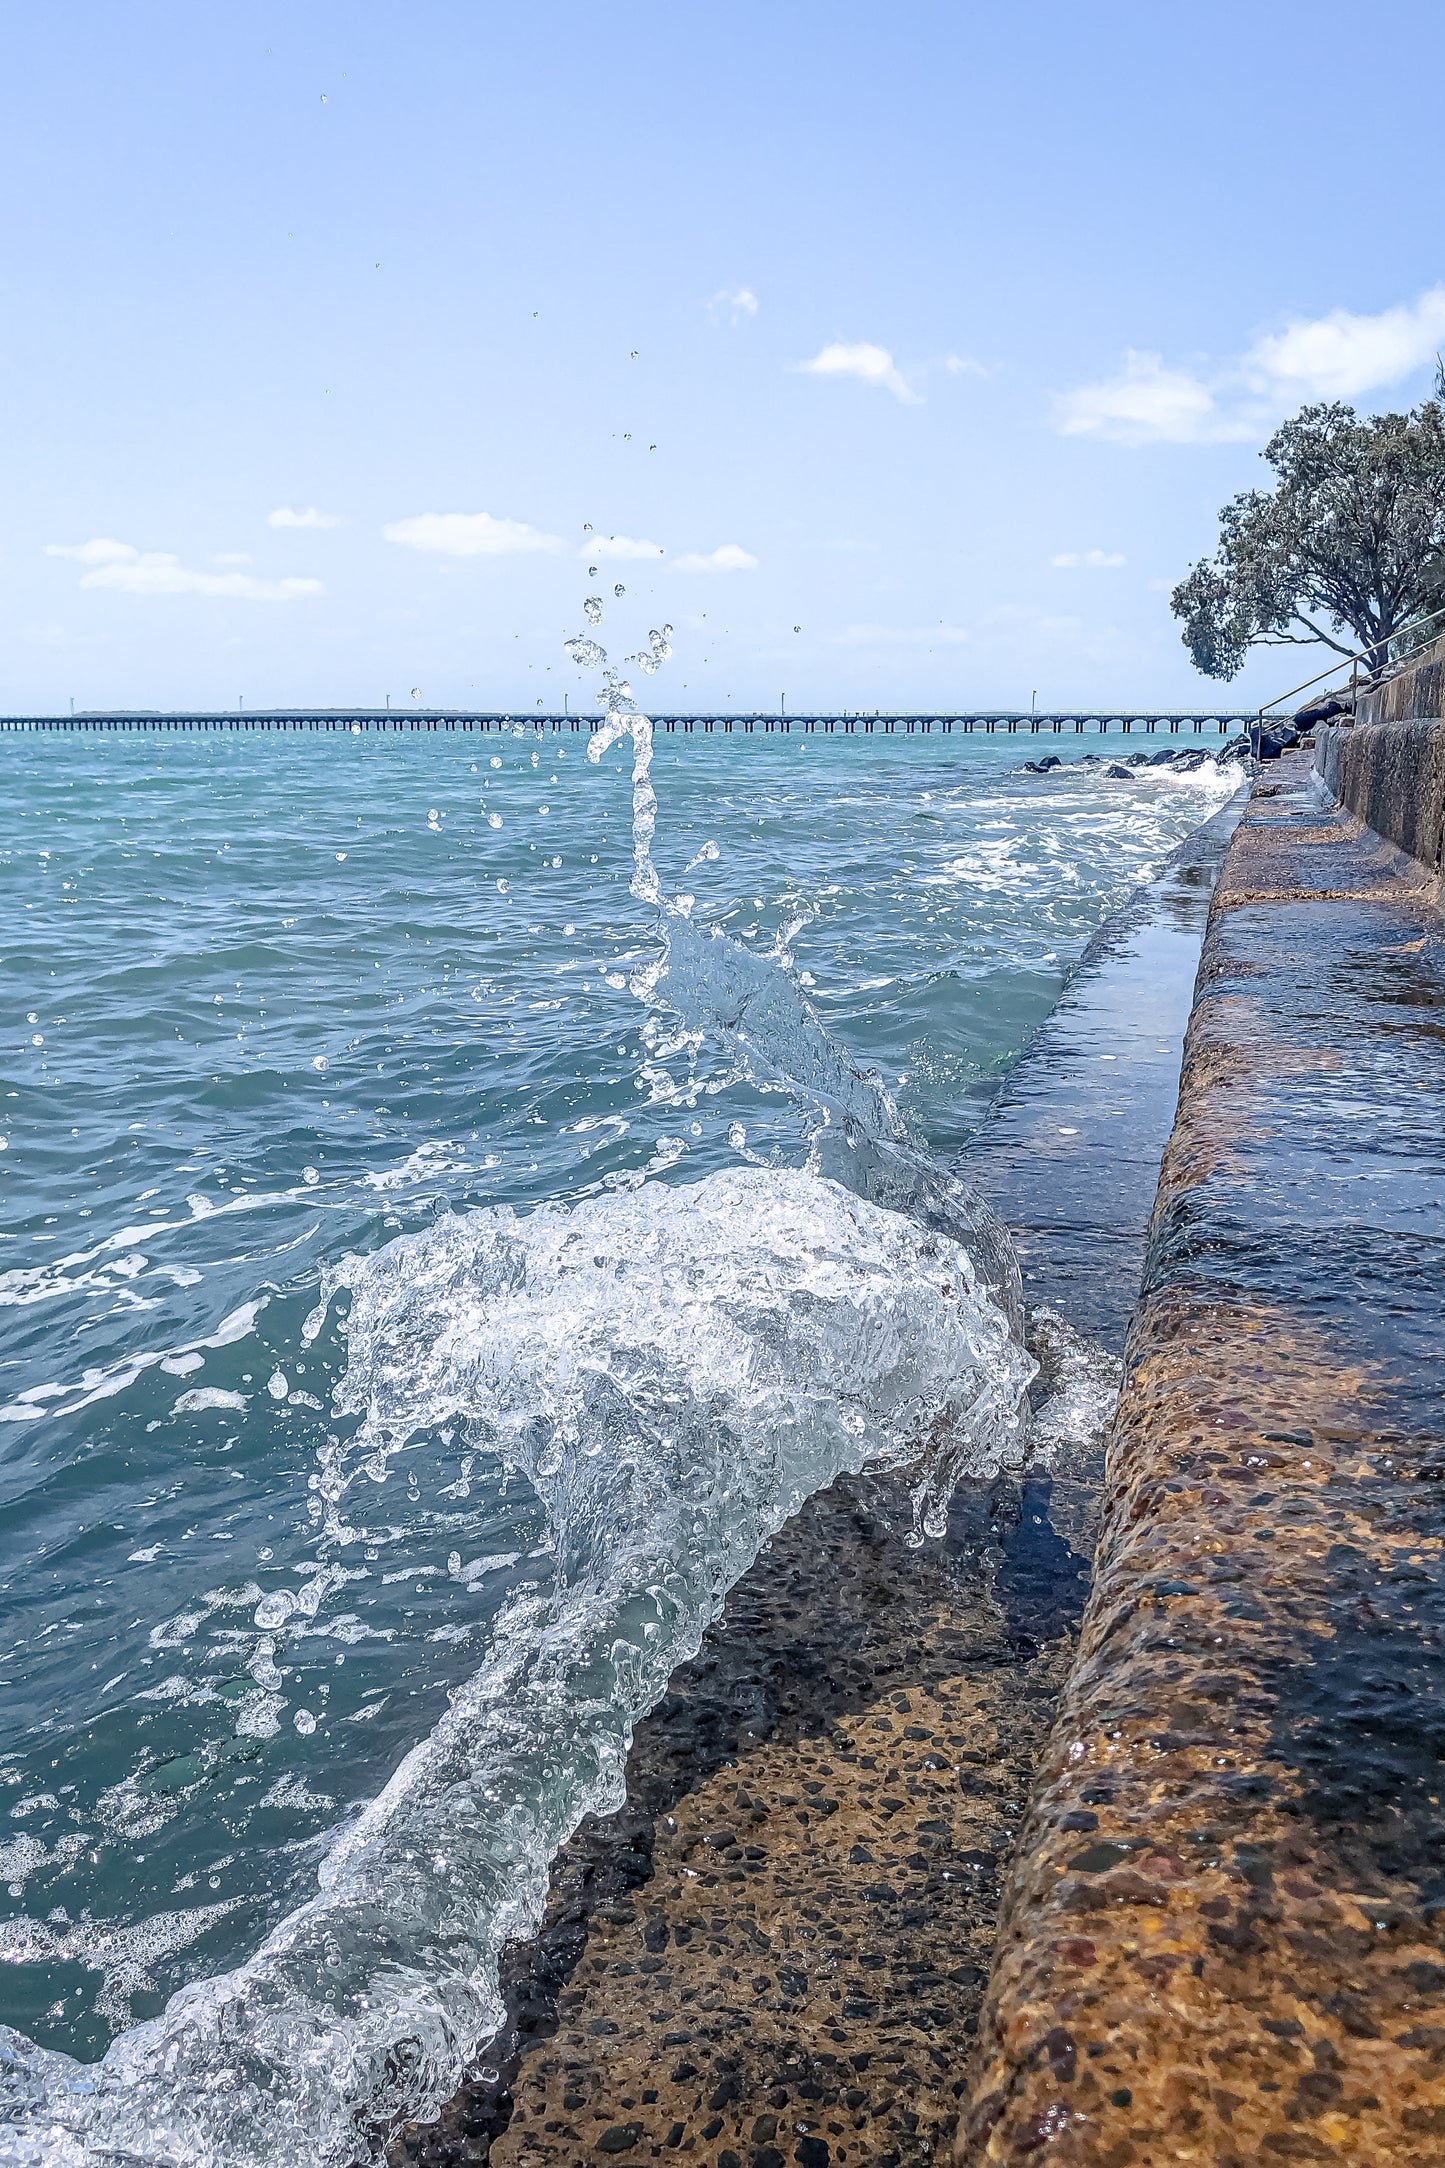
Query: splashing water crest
[(675, 1372)]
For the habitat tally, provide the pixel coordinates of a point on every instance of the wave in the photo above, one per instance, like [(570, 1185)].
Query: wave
[(674, 1371)]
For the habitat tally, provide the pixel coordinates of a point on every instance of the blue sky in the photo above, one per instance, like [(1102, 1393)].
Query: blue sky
[(918, 345)]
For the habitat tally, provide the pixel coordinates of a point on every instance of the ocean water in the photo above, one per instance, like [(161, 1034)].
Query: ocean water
[(434, 1260)]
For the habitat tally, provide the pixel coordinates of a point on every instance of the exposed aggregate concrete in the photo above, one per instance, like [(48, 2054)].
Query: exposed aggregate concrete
[(1224, 1939), (781, 1940)]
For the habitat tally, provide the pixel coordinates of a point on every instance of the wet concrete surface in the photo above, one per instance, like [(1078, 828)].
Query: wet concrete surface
[(776, 1952), (1224, 1935), (1070, 1158)]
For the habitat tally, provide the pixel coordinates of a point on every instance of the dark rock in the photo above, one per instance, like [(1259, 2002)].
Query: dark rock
[(621, 2138), (1099, 1858), (1322, 711)]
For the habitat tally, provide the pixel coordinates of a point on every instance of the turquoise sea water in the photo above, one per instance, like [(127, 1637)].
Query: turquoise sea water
[(271, 1003)]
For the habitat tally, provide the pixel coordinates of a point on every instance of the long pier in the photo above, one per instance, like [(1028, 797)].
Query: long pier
[(360, 723)]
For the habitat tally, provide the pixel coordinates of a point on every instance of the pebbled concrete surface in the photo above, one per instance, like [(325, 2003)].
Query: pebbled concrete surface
[(1224, 1936)]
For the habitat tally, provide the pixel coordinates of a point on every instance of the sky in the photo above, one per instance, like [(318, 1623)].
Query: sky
[(898, 357)]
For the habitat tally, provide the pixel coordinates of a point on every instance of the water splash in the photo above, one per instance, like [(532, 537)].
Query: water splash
[(674, 1371), (719, 991), (623, 719)]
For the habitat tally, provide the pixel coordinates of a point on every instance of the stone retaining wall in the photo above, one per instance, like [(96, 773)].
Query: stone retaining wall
[(1389, 768), (1418, 691)]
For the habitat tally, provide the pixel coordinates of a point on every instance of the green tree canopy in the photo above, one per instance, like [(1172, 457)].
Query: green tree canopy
[(1351, 539)]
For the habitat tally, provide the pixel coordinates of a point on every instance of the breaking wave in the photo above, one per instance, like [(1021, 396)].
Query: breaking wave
[(673, 1370)]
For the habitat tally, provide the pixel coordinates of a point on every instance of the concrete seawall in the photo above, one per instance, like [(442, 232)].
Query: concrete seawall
[(1389, 768), (1224, 1937)]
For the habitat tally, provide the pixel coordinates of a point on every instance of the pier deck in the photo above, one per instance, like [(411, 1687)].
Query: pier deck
[(364, 722)]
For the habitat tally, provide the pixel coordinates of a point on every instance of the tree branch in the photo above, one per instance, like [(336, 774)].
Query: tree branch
[(1322, 637)]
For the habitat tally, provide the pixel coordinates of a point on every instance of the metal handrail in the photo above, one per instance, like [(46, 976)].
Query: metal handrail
[(1358, 657)]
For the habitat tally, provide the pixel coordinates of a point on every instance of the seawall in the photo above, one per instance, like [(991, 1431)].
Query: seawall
[(1223, 1940), (1389, 768)]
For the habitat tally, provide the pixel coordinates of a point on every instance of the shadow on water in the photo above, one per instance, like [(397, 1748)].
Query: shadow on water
[(1042, 1583)]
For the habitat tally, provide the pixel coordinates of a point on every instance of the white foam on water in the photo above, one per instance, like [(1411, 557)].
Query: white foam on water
[(124, 1956), (1084, 1389)]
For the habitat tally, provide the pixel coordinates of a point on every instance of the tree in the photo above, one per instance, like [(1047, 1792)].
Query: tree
[(1353, 534)]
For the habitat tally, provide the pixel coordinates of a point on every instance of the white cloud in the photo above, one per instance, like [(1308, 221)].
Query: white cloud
[(613, 546), (1341, 355), (285, 517), (740, 303), (101, 551), (870, 364), (470, 534), (1093, 560), (131, 571), (729, 558), (1338, 356), (964, 365), (1147, 404)]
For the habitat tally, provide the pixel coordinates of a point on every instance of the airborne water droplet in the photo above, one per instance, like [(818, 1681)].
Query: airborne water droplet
[(619, 590), (592, 609)]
